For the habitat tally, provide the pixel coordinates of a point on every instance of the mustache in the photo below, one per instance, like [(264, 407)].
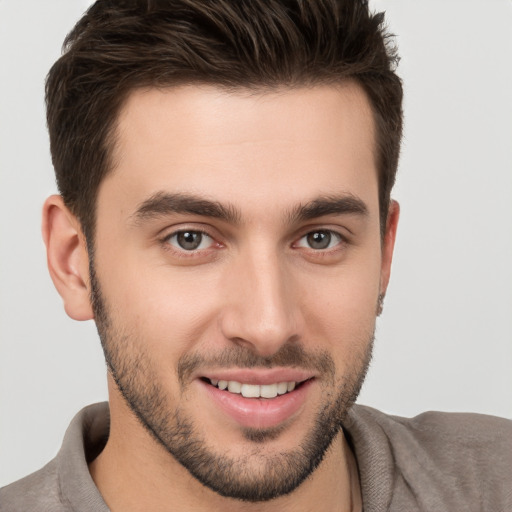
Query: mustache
[(292, 355)]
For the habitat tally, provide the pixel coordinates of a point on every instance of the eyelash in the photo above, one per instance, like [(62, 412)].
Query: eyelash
[(184, 253), (338, 237)]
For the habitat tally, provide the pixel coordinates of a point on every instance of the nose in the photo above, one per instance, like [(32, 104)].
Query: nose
[(262, 310)]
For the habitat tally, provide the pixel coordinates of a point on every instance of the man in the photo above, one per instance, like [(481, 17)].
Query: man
[(225, 171)]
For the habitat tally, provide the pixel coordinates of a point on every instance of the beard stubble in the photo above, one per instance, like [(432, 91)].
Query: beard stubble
[(277, 474)]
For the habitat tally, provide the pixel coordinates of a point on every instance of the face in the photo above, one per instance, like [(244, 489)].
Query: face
[(236, 274)]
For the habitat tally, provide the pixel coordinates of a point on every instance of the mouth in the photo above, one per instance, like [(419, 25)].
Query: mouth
[(258, 400), (247, 390)]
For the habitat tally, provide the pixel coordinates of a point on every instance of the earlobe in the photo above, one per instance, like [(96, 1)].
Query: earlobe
[(67, 258), (388, 245)]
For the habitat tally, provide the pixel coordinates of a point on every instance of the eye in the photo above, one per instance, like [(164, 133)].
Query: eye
[(189, 240), (320, 240)]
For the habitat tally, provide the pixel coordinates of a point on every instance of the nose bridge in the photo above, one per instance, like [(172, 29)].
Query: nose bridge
[(262, 311)]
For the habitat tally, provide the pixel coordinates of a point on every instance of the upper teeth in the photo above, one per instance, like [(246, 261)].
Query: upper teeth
[(255, 390)]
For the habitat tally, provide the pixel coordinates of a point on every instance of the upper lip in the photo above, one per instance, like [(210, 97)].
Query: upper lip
[(259, 376)]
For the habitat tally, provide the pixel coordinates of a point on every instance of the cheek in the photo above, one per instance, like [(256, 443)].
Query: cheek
[(167, 310), (339, 310)]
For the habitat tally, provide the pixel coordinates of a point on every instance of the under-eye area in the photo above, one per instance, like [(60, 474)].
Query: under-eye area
[(256, 390)]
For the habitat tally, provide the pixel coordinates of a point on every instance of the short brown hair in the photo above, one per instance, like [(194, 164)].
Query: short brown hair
[(121, 45)]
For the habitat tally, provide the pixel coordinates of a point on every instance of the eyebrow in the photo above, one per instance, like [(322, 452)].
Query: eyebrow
[(162, 204), (346, 204)]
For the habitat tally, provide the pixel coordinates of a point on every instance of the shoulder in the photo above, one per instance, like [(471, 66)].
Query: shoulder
[(450, 438), (65, 483), (38, 491), (468, 429), (446, 459)]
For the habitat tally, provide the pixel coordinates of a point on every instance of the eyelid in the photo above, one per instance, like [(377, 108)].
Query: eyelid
[(169, 232), (202, 233), (180, 227), (337, 238), (337, 232)]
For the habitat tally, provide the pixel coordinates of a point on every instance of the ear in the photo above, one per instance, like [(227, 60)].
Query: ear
[(388, 245), (67, 257)]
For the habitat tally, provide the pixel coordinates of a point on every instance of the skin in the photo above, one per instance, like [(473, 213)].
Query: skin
[(255, 283)]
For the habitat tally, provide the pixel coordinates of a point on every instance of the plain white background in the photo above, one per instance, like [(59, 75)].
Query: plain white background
[(444, 341)]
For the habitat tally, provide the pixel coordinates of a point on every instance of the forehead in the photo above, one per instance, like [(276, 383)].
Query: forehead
[(245, 146)]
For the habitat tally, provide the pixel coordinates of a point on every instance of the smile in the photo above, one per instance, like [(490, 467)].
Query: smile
[(255, 390), (258, 399)]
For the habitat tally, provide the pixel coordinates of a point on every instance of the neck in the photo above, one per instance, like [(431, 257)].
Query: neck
[(134, 473)]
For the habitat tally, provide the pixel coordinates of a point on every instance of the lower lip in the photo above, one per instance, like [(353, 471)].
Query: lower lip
[(259, 413)]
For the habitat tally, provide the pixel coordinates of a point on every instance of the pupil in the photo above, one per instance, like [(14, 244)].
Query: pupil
[(319, 239), (189, 240)]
